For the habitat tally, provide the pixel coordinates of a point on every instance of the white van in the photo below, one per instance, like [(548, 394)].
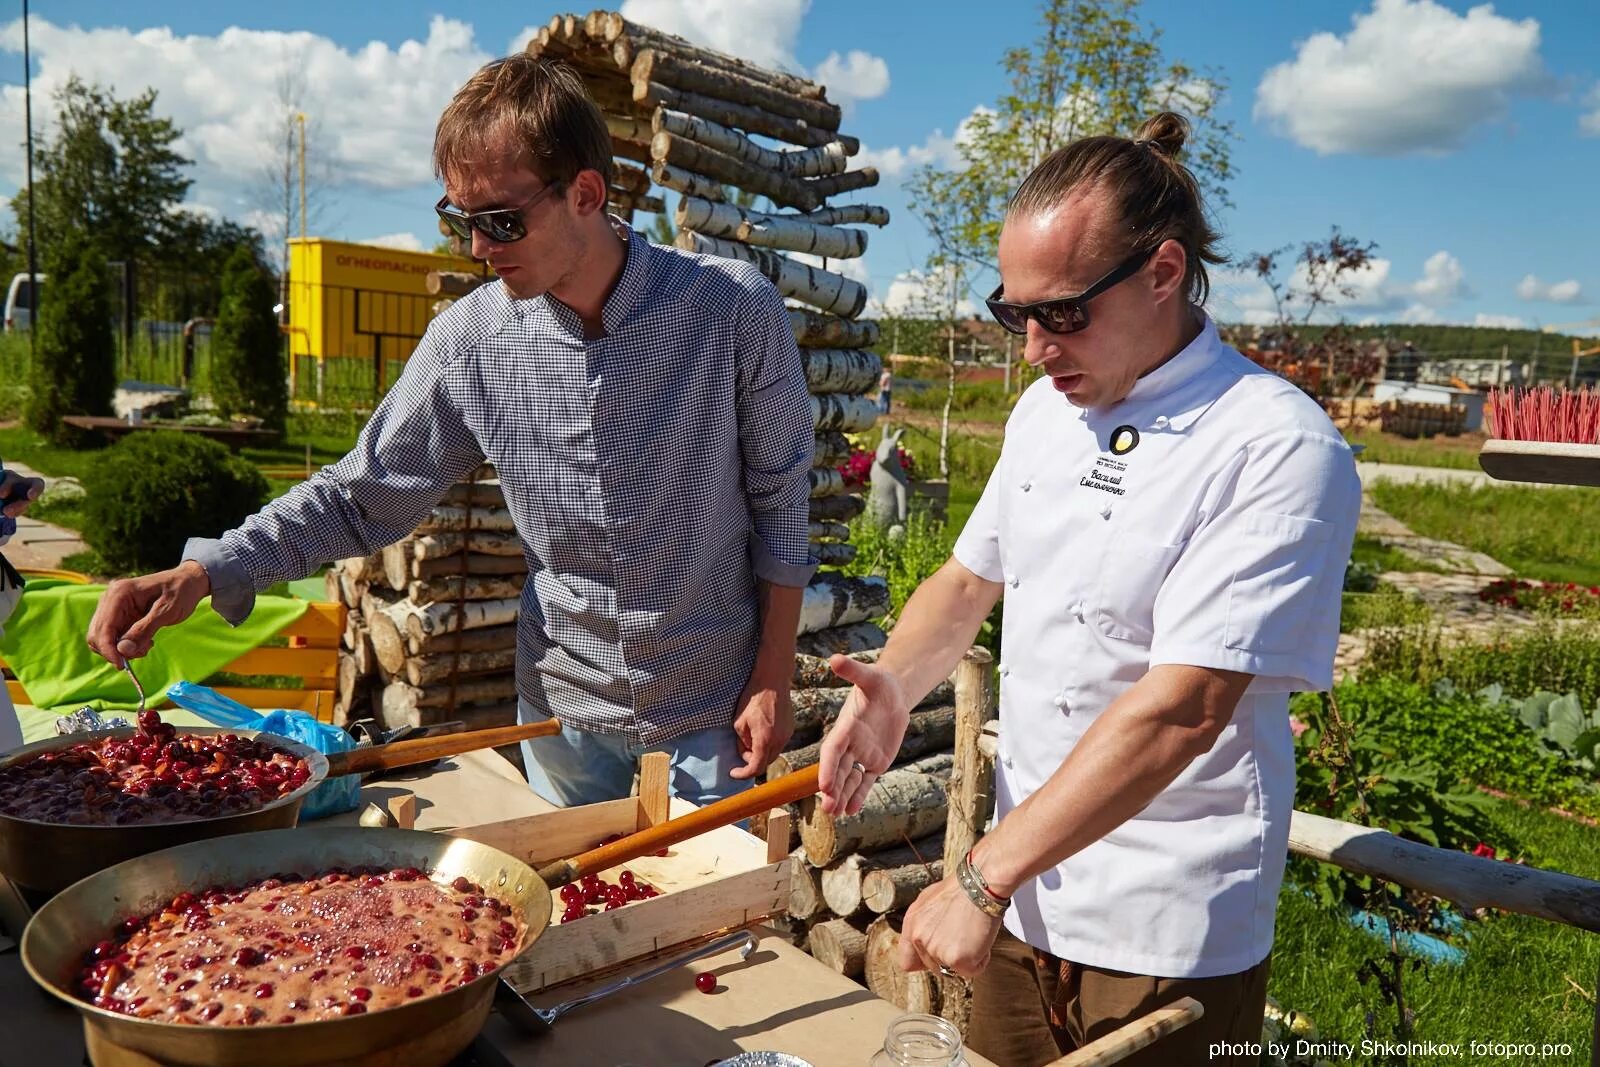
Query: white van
[(20, 302)]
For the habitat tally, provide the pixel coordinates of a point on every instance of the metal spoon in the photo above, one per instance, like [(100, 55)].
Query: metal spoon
[(136, 686)]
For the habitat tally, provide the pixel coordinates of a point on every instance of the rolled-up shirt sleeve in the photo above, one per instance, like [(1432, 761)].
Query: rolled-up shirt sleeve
[(1257, 587), (412, 450), (775, 440)]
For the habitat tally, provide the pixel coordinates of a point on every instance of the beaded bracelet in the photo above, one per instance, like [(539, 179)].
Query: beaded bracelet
[(978, 891)]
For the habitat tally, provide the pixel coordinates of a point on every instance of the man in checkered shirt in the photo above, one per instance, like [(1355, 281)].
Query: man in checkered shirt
[(646, 410)]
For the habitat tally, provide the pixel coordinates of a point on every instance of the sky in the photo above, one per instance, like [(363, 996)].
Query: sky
[(1464, 141)]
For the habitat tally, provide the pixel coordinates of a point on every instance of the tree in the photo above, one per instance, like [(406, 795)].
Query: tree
[(277, 186), (74, 368), (1093, 68), (109, 171), (247, 369)]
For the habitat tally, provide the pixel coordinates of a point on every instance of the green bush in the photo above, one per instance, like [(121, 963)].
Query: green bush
[(75, 366), (153, 490), (1550, 657), (248, 375)]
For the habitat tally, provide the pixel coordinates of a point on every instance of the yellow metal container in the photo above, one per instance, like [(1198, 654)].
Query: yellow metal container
[(360, 303)]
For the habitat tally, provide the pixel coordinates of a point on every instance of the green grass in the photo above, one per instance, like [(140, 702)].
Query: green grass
[(1550, 534), (1513, 986), (1458, 453), (1556, 659), (1381, 557), (1383, 607)]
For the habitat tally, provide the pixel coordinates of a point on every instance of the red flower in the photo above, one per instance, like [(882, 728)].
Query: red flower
[(1484, 851)]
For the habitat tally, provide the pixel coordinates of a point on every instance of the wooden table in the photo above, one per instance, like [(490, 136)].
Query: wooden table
[(780, 998), (235, 437)]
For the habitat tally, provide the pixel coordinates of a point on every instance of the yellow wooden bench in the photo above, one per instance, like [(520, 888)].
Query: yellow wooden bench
[(312, 657)]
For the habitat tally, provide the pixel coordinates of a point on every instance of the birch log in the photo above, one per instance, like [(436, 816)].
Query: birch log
[(610, 27), (905, 803), (830, 449), (784, 232), (429, 670), (702, 159), (840, 370), (895, 876), (452, 587), (834, 553), (447, 616), (805, 891), (825, 159), (388, 641), (404, 703), (841, 411), (825, 481), (820, 288), (464, 640), (628, 128), (740, 116), (857, 637), (837, 508), (844, 883), (844, 214), (848, 182), (444, 519), (931, 729), (839, 945), (486, 542), (813, 672), (485, 494), (815, 330), (972, 780), (823, 531), (665, 68), (472, 563), (688, 184), (914, 991), (834, 600), (452, 282)]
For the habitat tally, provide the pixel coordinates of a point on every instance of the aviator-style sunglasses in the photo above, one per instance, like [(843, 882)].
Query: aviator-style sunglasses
[(502, 225), (1063, 314)]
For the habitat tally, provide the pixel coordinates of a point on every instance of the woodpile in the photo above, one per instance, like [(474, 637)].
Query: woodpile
[(431, 634), (853, 877)]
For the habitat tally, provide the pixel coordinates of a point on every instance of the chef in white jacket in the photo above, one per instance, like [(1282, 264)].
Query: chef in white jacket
[(16, 493), (1169, 525)]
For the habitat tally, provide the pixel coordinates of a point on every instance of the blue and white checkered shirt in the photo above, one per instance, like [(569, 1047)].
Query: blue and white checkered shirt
[(653, 475)]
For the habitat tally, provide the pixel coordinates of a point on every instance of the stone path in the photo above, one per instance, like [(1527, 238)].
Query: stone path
[(39, 545)]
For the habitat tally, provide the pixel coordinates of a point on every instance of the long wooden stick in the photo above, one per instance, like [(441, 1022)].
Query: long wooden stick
[(424, 749), (1124, 1041), (786, 790)]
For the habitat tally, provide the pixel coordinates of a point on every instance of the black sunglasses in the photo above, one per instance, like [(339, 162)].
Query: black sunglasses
[(1063, 314), (502, 225)]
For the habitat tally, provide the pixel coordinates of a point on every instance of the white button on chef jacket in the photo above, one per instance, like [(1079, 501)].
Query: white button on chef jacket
[(1235, 507)]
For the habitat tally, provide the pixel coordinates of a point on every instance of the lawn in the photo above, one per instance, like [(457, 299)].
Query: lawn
[(1524, 979), (1460, 453), (1550, 534)]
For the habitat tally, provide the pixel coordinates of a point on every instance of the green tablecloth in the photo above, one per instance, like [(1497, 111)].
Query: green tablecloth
[(44, 647)]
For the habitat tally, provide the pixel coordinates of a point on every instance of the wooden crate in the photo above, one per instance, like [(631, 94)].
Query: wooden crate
[(723, 879)]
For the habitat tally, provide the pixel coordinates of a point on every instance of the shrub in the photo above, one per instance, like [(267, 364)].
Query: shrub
[(75, 367), (1549, 656), (153, 490), (247, 369)]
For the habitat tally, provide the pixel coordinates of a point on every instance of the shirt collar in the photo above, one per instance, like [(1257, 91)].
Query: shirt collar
[(1172, 397), (1194, 359), (626, 295)]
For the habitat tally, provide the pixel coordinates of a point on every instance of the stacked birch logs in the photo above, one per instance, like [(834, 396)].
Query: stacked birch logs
[(430, 634), (853, 877), (683, 120)]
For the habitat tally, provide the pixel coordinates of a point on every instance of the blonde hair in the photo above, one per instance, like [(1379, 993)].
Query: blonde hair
[(1156, 197), (552, 122)]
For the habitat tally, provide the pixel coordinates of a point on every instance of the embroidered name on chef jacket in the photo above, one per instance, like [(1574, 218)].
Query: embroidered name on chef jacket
[(1107, 473)]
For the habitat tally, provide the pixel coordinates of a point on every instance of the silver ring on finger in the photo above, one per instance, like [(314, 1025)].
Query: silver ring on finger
[(859, 767), (947, 972)]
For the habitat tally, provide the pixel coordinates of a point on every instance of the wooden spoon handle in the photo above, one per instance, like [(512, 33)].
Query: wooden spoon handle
[(785, 790), (423, 749)]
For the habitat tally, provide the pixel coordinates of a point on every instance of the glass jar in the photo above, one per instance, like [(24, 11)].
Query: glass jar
[(920, 1041)]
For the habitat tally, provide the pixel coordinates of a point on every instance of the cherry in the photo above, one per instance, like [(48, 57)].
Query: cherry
[(211, 1011), (462, 885), (705, 981), (361, 993), (625, 879), (414, 991), (263, 991), (571, 893), (355, 952), (355, 1008), (247, 957)]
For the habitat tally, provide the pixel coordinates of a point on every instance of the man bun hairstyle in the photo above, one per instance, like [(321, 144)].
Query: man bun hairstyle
[(540, 110), (1155, 195)]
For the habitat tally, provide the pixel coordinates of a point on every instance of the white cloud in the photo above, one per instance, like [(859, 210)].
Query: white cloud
[(761, 31), (855, 269), (1442, 280), (896, 163), (1567, 292), (1375, 294), (1589, 122), (1411, 76), (919, 294), (1500, 322), (519, 41), (374, 106), (405, 242), (858, 76)]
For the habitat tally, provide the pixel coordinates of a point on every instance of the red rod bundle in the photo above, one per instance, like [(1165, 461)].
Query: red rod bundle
[(1544, 414)]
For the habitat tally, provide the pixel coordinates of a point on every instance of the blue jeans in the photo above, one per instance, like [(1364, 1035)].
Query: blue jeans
[(579, 767)]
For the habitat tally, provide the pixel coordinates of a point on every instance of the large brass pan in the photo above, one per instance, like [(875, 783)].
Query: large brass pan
[(421, 1033), (47, 856)]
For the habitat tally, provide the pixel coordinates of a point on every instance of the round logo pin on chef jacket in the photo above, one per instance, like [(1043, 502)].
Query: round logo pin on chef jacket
[(1124, 439)]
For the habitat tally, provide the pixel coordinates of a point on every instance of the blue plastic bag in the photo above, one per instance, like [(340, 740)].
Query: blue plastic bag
[(333, 796)]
